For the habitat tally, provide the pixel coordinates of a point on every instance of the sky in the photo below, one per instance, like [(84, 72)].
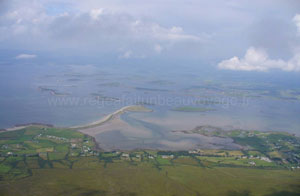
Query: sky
[(237, 35)]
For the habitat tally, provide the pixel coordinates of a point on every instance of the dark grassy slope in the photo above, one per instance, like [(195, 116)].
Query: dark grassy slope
[(124, 178)]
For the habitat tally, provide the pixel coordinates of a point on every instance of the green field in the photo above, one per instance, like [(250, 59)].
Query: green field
[(51, 161), (91, 177)]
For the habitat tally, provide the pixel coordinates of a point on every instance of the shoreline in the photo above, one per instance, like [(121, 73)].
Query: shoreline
[(22, 126), (130, 108)]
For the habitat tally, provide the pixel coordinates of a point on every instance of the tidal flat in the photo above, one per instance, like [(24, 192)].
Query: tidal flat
[(94, 95)]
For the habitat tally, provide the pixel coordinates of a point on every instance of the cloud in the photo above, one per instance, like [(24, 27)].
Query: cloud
[(158, 48), (30, 25), (129, 54), (100, 24), (94, 27), (296, 20), (126, 55), (95, 13), (26, 56), (174, 33), (258, 60)]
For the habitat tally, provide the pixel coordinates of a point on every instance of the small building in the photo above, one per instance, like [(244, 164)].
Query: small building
[(125, 155), (193, 152), (167, 156), (73, 145), (265, 159)]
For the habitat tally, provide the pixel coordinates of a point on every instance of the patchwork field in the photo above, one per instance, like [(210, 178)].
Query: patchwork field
[(50, 161)]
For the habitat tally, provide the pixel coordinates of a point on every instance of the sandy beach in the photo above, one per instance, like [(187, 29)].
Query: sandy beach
[(131, 108)]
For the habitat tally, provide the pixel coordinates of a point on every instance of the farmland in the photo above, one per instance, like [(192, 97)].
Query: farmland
[(41, 160)]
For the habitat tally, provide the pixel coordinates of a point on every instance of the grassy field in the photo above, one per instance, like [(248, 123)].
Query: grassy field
[(91, 177), (281, 147), (51, 161)]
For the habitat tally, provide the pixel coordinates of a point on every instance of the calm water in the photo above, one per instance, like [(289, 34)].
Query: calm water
[(87, 93)]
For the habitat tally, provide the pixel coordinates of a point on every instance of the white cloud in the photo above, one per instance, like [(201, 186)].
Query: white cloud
[(296, 20), (26, 56), (97, 27), (258, 60), (158, 48), (129, 54), (126, 55), (95, 13), (27, 25), (170, 34)]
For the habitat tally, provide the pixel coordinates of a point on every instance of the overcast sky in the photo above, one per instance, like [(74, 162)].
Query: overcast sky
[(242, 35)]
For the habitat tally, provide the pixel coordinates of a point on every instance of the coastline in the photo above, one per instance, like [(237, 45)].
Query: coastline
[(22, 126), (130, 108)]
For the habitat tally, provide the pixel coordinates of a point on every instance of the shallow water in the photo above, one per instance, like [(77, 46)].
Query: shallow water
[(159, 137), (21, 101)]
